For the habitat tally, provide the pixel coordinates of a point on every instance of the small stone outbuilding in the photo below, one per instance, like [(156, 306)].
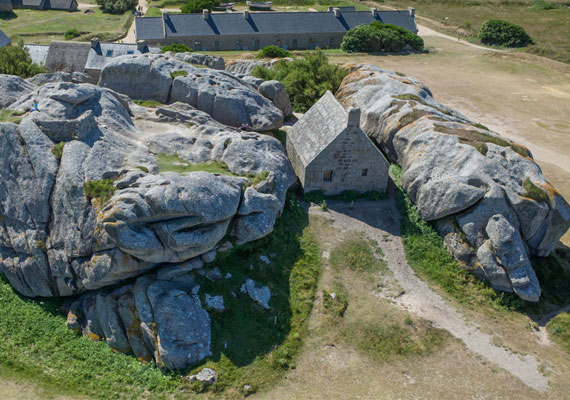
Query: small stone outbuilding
[(330, 152)]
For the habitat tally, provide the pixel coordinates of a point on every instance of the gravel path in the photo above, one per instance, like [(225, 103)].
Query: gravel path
[(379, 220)]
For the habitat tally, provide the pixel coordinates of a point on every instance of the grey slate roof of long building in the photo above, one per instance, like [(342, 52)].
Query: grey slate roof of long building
[(320, 125), (103, 53), (265, 23)]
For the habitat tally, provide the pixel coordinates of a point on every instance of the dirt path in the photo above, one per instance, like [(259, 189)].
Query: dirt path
[(425, 31), (417, 297), (131, 35)]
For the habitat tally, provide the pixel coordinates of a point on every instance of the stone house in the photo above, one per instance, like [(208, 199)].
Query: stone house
[(255, 30), (330, 152), (64, 5)]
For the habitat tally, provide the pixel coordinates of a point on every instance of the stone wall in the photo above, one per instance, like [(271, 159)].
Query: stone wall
[(249, 42), (347, 156)]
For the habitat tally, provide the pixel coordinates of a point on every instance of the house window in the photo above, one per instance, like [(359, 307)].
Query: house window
[(216, 45), (109, 53), (256, 44), (365, 172), (130, 52), (331, 41), (294, 44), (328, 175)]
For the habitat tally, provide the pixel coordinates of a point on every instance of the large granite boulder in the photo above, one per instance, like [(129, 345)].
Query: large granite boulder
[(11, 88), (486, 195), (209, 61), (90, 200), (167, 79)]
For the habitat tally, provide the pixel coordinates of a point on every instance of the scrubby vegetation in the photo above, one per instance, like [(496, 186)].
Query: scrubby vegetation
[(251, 346), (356, 253), (15, 60), (503, 33), (147, 103), (559, 329), (335, 302), (13, 116), (273, 52), (117, 6), (102, 189), (72, 34), (57, 150), (306, 79), (379, 37), (534, 192), (178, 73), (196, 6), (176, 48)]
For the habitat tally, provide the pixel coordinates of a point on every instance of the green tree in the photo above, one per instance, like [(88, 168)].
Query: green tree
[(503, 33), (305, 79), (15, 60), (378, 37), (196, 6), (117, 6)]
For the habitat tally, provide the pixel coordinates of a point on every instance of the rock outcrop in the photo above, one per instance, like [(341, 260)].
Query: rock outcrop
[(89, 200), (213, 62), (167, 79), (487, 196)]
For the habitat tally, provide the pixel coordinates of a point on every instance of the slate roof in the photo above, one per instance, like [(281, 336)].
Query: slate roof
[(32, 3), (265, 23), (4, 40), (38, 53), (103, 53), (324, 121), (60, 5), (67, 56)]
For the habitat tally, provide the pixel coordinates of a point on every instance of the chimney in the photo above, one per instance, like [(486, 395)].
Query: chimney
[(245, 14), (206, 13), (164, 18), (412, 11), (336, 12), (141, 45), (373, 12), (94, 43), (353, 117), (164, 15)]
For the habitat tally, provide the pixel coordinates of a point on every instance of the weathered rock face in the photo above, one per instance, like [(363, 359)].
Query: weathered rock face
[(11, 88), (86, 204), (275, 91), (213, 62), (223, 96), (488, 197), (245, 67)]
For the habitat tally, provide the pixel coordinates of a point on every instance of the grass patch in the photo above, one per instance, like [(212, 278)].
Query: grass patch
[(335, 302), (250, 345), (178, 73), (57, 150), (12, 116), (43, 26), (102, 189), (355, 252), (534, 192), (153, 12), (427, 255), (280, 135), (559, 328), (148, 103)]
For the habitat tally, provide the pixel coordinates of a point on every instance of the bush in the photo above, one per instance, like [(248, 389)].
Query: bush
[(196, 6), (502, 33), (378, 37), (72, 34), (117, 6), (559, 328), (305, 79), (273, 52), (176, 48), (15, 60)]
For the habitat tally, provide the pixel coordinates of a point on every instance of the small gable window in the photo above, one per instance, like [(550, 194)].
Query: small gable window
[(328, 175), (365, 172), (109, 53)]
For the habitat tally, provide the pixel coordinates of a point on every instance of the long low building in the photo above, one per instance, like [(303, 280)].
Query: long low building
[(255, 30)]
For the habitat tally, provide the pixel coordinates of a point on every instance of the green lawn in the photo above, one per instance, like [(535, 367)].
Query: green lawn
[(41, 27), (550, 29)]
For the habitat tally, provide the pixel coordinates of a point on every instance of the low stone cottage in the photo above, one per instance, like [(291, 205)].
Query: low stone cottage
[(330, 152)]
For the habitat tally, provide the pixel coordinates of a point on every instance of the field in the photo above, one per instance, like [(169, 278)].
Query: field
[(548, 27), (41, 27)]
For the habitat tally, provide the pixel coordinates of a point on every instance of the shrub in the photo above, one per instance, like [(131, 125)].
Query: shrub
[(305, 79), (378, 37), (273, 52), (503, 33), (196, 6), (176, 48), (57, 150), (101, 189), (15, 60), (178, 73), (117, 6), (72, 34)]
